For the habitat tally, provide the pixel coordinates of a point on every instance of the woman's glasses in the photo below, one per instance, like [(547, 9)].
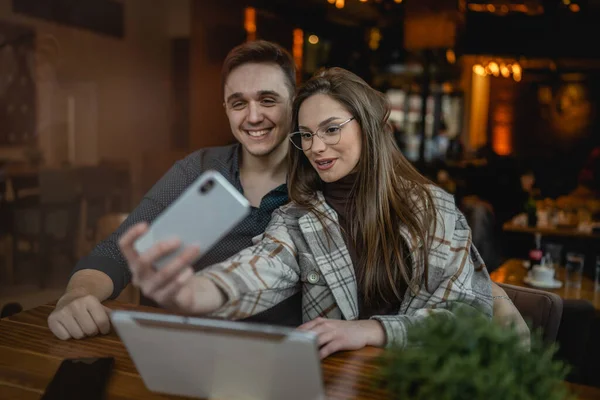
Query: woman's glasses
[(329, 134)]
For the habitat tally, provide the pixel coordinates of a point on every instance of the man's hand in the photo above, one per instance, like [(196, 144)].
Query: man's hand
[(336, 335), (77, 315), (171, 286)]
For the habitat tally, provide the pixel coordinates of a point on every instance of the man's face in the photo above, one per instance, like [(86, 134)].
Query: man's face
[(258, 105)]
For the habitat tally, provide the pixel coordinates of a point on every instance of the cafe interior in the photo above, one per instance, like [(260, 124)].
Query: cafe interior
[(495, 101)]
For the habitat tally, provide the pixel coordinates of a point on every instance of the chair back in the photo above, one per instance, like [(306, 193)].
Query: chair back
[(108, 224), (59, 186), (539, 308), (574, 340)]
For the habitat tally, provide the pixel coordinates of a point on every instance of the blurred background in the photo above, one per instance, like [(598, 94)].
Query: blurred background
[(496, 101)]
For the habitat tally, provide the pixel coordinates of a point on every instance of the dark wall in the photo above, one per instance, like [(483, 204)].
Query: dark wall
[(100, 16), (180, 92), (17, 86), (555, 125), (274, 28), (556, 33)]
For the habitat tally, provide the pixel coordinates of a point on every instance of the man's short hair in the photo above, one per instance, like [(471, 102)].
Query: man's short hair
[(261, 51)]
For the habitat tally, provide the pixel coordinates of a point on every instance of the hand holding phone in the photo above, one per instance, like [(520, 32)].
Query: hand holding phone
[(161, 256), (200, 217)]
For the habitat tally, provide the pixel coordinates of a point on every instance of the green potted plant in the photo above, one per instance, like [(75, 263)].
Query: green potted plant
[(470, 357)]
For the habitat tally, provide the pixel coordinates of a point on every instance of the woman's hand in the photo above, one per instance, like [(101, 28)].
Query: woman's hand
[(336, 335), (172, 286)]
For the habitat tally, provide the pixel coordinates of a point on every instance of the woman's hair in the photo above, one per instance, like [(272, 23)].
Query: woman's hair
[(389, 192)]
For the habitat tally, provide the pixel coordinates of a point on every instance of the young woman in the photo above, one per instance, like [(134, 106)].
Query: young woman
[(372, 246)]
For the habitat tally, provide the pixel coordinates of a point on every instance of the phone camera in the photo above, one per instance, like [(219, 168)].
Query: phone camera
[(205, 188)]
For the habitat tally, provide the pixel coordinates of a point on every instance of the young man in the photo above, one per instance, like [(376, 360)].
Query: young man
[(258, 86)]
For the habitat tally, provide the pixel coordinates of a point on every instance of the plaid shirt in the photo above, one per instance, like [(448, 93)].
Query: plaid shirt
[(294, 254)]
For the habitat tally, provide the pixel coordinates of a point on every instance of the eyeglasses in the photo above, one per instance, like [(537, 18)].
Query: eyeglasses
[(329, 134)]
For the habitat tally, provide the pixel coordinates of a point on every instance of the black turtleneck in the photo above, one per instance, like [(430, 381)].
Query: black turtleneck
[(337, 195)]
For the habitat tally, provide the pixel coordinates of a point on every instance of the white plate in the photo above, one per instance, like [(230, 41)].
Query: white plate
[(554, 284)]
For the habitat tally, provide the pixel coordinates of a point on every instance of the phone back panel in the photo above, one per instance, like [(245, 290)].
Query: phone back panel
[(206, 211)]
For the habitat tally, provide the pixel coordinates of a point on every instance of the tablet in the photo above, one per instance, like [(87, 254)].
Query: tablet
[(199, 357)]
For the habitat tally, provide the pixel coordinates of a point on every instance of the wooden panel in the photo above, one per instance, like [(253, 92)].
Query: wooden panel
[(216, 28), (430, 31), (180, 78)]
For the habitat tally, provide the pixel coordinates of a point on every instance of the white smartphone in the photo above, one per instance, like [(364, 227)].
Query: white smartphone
[(206, 211)]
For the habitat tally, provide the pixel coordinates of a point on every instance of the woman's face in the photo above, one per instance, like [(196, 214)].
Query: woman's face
[(322, 114)]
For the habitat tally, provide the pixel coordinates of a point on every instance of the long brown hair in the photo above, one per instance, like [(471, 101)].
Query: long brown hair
[(389, 192)]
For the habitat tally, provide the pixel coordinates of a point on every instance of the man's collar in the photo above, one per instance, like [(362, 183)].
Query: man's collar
[(282, 188), (236, 169)]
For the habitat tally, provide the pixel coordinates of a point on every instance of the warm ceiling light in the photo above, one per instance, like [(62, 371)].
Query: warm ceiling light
[(574, 7), (331, 1), (479, 69), (494, 68), (450, 56), (363, 1), (566, 2), (297, 50), (374, 38), (491, 8), (504, 70), (517, 72), (250, 23), (516, 69), (313, 39), (339, 3), (397, 1)]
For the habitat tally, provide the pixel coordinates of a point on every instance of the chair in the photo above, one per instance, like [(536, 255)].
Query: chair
[(120, 193), (96, 186), (5, 234), (47, 221), (539, 308), (574, 338), (23, 203)]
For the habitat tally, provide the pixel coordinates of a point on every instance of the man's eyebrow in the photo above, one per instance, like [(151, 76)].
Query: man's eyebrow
[(234, 96), (328, 120), (260, 93), (273, 93)]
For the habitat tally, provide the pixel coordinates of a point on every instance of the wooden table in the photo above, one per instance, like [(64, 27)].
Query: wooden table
[(513, 272), (30, 355)]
